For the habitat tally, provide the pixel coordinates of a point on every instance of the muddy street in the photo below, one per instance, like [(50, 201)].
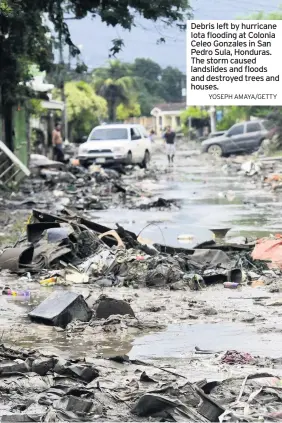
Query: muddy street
[(178, 334)]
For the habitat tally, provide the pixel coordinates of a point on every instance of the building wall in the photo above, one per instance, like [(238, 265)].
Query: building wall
[(164, 120)]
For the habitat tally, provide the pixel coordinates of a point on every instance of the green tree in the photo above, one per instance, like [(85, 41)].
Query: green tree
[(148, 101), (147, 69), (171, 83), (275, 15), (193, 112), (23, 33), (85, 108), (78, 73), (147, 74), (124, 112), (115, 70), (115, 86), (195, 116), (23, 41)]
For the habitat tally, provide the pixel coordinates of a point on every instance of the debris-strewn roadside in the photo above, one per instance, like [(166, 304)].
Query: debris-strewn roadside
[(86, 291), (44, 387)]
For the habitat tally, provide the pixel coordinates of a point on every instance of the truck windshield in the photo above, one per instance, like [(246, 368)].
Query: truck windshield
[(107, 134)]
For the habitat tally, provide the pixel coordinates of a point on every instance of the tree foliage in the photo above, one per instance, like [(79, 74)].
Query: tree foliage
[(235, 114), (112, 83), (125, 112), (23, 33), (193, 112), (147, 69), (85, 108), (143, 82), (275, 15), (172, 81), (23, 40)]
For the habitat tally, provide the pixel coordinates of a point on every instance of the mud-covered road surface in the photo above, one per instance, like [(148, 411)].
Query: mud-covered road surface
[(171, 328)]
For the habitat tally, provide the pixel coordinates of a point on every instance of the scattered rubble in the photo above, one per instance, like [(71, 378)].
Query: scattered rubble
[(45, 387), (64, 249), (83, 251)]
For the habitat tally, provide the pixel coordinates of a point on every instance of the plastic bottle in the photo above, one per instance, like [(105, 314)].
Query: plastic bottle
[(231, 285)]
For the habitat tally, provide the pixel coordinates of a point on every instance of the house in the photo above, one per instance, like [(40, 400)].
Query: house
[(167, 114), (15, 124), (41, 127)]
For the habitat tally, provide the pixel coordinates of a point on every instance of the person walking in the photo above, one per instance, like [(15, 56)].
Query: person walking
[(57, 142), (152, 135), (169, 137)]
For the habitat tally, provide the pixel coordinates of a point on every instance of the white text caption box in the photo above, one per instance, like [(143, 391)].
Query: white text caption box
[(234, 62)]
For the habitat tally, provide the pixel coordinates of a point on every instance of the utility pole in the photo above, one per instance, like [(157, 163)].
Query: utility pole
[(62, 82), (213, 118), (183, 87)]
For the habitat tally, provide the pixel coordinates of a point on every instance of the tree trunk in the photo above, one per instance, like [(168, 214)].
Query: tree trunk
[(112, 111)]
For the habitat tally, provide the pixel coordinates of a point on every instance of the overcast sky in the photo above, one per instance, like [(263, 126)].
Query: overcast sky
[(95, 37)]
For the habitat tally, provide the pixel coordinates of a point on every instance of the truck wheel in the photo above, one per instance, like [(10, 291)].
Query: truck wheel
[(129, 158), (215, 150), (146, 160)]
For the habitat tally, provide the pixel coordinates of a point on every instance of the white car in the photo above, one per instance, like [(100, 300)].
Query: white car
[(116, 143)]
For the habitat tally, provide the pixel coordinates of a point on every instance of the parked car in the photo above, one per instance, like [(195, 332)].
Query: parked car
[(216, 134), (242, 137), (116, 143)]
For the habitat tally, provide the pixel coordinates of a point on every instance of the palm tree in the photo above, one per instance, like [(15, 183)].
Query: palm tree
[(115, 84)]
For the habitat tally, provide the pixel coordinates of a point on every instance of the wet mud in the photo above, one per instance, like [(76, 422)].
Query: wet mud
[(182, 331)]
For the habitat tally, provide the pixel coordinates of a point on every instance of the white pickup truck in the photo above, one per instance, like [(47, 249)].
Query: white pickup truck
[(116, 143)]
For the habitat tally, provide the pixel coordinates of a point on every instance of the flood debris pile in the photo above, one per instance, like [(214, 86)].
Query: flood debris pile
[(263, 172), (68, 249), (37, 387), (95, 188), (256, 397), (45, 388)]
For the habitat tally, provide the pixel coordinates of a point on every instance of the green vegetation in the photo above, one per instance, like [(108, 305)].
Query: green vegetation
[(115, 86), (234, 114), (117, 91), (25, 36), (137, 87), (193, 113), (85, 108)]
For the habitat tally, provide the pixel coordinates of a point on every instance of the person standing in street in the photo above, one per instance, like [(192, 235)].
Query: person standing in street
[(152, 135), (57, 142), (169, 137)]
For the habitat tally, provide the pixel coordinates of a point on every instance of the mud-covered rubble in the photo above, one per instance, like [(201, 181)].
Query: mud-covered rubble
[(64, 251), (38, 386), (73, 249), (89, 189), (263, 172)]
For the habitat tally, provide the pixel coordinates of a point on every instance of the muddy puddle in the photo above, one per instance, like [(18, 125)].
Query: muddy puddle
[(179, 341), (209, 199)]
